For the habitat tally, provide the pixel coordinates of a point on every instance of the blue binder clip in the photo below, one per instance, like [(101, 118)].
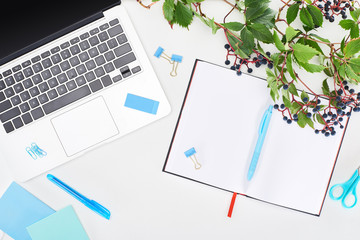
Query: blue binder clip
[(191, 154), (174, 60)]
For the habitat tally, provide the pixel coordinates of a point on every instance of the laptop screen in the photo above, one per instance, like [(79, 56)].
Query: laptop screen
[(27, 22)]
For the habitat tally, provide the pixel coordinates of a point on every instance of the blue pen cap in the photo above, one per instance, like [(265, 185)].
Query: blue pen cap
[(158, 52), (176, 58)]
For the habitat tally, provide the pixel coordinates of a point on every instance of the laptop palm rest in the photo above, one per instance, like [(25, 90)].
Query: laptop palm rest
[(84, 126)]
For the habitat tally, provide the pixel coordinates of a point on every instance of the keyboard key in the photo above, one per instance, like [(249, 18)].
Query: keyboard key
[(6, 116), (71, 73), (28, 83), (84, 56), (117, 78), (35, 59), (43, 87), (19, 76), (56, 58), (121, 39), (2, 96), (80, 81), (96, 86), (34, 91), (8, 127), (112, 43), (34, 103), (18, 88), (84, 36), (81, 69), (119, 51), (109, 56), (74, 61), (109, 67), (99, 72), (37, 113), (94, 31), (104, 26), (106, 81), (103, 36), (115, 31), (45, 54), (46, 63), (24, 107), (55, 50), (65, 45), (18, 123), (114, 22), (5, 106), (37, 79), (103, 48), (9, 81), (74, 40), (26, 64), (61, 89), (65, 54), (100, 60), (125, 71), (84, 45), (16, 68), (15, 100), (136, 69), (55, 70), (122, 61), (43, 98), (2, 85), (25, 96), (53, 82), (9, 92), (93, 52), (66, 99), (37, 67), (62, 78), (90, 65), (93, 41), (52, 94), (28, 72), (71, 85), (65, 65), (27, 118), (90, 76), (46, 74), (75, 50)]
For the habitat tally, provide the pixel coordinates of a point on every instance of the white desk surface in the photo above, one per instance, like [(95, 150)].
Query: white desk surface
[(126, 175)]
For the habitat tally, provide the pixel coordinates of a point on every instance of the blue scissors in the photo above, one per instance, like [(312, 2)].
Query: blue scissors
[(348, 195)]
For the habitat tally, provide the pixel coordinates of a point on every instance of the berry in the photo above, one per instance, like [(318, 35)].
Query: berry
[(289, 121), (276, 106), (305, 99), (345, 82), (331, 19), (260, 57), (325, 115), (295, 116), (282, 106), (227, 62), (285, 86), (351, 91), (250, 70), (308, 115), (317, 131), (257, 64), (270, 65), (268, 54), (327, 134), (232, 67), (238, 73), (342, 127), (264, 61), (340, 119), (285, 118), (227, 46), (333, 133)]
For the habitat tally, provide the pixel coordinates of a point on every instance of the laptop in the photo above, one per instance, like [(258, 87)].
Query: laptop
[(73, 76)]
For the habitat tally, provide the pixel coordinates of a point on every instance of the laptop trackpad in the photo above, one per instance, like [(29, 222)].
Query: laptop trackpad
[(85, 126)]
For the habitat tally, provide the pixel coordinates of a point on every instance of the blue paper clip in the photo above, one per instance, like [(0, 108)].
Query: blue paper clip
[(191, 154), (31, 153), (41, 153), (176, 60)]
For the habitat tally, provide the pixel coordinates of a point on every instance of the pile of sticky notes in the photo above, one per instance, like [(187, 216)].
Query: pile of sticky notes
[(25, 217)]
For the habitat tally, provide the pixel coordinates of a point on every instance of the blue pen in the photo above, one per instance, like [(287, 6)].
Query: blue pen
[(264, 125), (96, 207)]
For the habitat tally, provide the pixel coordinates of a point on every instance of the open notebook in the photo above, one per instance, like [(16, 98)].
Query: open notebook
[(220, 118)]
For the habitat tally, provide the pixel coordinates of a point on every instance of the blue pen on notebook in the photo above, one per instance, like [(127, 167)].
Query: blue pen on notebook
[(264, 125), (96, 207)]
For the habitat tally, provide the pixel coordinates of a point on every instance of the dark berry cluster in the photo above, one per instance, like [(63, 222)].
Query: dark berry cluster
[(239, 62), (334, 8)]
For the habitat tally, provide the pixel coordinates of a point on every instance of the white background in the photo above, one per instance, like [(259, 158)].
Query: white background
[(126, 175)]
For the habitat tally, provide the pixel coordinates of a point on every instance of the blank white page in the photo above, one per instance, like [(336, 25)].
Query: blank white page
[(220, 120)]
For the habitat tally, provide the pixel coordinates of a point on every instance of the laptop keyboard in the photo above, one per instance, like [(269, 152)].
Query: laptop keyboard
[(65, 74)]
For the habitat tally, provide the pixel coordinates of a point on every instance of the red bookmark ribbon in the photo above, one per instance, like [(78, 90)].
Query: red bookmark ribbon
[(232, 204)]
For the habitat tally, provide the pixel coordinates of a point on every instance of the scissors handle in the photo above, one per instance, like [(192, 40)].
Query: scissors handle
[(348, 191), (340, 186)]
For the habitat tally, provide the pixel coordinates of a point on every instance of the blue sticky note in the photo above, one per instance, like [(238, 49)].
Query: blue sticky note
[(62, 225), (141, 103), (190, 152), (18, 210)]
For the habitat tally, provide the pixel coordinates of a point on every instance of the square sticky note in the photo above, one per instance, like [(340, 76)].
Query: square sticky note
[(63, 224), (18, 210), (141, 103)]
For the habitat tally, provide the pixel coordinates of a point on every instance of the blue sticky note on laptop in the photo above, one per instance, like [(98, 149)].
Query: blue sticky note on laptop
[(62, 225), (141, 103), (20, 209)]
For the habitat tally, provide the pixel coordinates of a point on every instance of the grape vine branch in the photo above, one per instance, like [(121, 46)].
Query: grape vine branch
[(296, 48)]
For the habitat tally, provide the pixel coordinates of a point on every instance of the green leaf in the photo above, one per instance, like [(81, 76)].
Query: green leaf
[(316, 15), (286, 102), (234, 42), (261, 32), (312, 67), (304, 53), (168, 10), (309, 122), (354, 31), (293, 90), (325, 88), (241, 53), (304, 95), (351, 74), (183, 15), (234, 26), (355, 64), (290, 33), (213, 26), (255, 11), (289, 66), (319, 38), (248, 39), (355, 14), (352, 48), (292, 12), (306, 18), (342, 45), (295, 107), (346, 24), (279, 45), (319, 119), (267, 18), (301, 119)]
